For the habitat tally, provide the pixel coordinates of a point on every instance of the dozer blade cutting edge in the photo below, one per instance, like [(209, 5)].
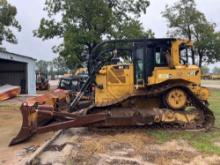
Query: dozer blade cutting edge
[(26, 130), (49, 113), (32, 125)]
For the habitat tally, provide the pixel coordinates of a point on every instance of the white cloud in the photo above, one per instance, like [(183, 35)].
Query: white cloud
[(31, 11), (153, 19), (29, 16)]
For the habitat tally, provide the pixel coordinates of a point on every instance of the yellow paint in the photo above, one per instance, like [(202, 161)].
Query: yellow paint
[(176, 99), (170, 116), (115, 85), (190, 73), (175, 55), (118, 80), (81, 71)]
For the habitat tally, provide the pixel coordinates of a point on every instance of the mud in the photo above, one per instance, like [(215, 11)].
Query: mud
[(80, 146)]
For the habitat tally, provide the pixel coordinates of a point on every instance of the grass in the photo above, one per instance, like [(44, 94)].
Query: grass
[(202, 141)]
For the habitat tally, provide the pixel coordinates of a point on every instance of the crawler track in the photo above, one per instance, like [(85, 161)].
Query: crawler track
[(205, 120)]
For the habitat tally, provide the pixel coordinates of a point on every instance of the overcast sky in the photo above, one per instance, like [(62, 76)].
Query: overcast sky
[(31, 11)]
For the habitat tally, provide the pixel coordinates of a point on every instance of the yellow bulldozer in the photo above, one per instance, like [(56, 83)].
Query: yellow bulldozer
[(137, 82)]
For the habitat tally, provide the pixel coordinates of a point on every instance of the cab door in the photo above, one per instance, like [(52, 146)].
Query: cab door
[(139, 65)]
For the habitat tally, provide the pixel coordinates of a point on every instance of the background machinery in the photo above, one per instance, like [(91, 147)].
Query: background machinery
[(137, 82), (211, 77), (42, 82), (74, 82)]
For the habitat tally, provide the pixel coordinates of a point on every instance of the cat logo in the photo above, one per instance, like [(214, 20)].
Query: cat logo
[(164, 76), (192, 73)]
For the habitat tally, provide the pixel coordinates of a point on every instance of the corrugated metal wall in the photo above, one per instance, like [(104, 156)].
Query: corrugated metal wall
[(14, 73)]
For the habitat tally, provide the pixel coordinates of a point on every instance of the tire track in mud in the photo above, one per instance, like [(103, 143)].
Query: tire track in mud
[(81, 146)]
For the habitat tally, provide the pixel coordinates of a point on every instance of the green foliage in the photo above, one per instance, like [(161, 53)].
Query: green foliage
[(56, 66), (42, 66), (182, 17), (185, 20), (84, 23), (205, 70), (7, 21), (60, 65), (216, 70), (207, 43), (132, 29)]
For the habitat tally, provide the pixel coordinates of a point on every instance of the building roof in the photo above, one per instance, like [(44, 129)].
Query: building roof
[(21, 55), (15, 57)]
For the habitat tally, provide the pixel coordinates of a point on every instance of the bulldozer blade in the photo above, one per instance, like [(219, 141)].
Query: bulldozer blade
[(23, 135), (34, 121), (27, 128), (31, 120)]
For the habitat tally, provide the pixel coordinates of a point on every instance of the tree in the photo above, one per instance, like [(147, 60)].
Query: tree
[(132, 29), (8, 21), (216, 70), (207, 43), (205, 70), (51, 70), (60, 65), (42, 67), (85, 23), (184, 20)]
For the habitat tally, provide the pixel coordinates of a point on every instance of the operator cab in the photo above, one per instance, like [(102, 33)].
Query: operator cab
[(148, 55), (145, 55)]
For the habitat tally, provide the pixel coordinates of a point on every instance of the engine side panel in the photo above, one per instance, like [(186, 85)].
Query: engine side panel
[(117, 81), (191, 74)]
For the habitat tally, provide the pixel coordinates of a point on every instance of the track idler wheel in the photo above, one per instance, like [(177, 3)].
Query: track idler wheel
[(175, 99)]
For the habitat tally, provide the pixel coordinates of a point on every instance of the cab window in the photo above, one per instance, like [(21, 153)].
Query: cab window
[(140, 65), (185, 54), (160, 57)]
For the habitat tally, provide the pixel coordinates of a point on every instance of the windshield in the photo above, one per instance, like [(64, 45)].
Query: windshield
[(185, 54), (64, 83)]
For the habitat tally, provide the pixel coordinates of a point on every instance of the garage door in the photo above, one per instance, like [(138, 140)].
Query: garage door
[(14, 73)]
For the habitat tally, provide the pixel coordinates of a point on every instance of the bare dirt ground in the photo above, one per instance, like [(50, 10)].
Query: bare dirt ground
[(211, 83), (83, 147), (10, 123)]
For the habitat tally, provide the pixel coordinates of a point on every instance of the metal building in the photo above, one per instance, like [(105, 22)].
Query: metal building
[(18, 70)]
